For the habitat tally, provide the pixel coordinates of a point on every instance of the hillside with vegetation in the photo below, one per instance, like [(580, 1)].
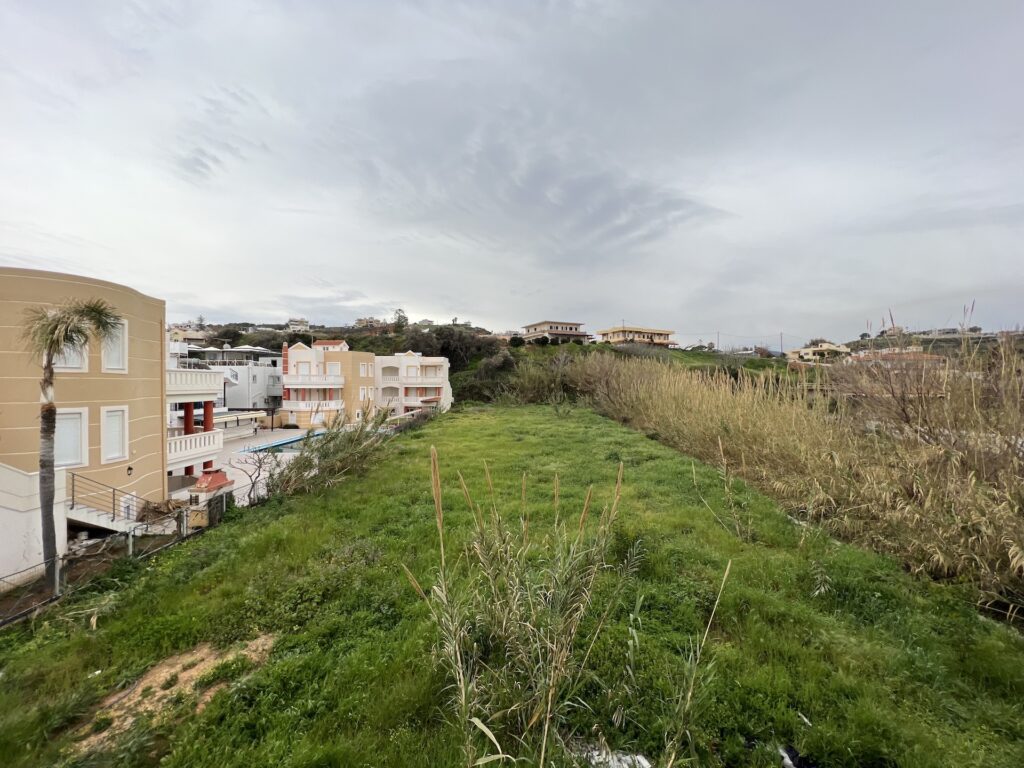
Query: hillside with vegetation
[(692, 620)]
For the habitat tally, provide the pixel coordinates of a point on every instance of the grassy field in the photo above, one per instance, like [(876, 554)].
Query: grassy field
[(887, 669)]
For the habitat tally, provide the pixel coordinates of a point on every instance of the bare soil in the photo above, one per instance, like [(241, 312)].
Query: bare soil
[(154, 692)]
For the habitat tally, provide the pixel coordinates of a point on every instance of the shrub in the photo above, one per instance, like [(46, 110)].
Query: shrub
[(516, 341), (508, 620), (542, 341), (289, 426), (327, 458)]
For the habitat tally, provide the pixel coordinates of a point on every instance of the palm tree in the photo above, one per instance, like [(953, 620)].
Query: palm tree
[(51, 332)]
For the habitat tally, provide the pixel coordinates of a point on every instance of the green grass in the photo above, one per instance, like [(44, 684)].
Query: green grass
[(890, 670)]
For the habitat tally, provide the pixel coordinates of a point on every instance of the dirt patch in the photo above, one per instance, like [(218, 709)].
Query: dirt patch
[(161, 687)]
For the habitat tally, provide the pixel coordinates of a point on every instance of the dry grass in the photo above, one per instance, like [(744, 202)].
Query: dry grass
[(923, 461)]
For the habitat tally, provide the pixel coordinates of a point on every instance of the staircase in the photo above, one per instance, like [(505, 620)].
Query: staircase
[(99, 505)]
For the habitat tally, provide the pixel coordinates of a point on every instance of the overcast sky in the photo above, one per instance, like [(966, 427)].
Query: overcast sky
[(742, 167)]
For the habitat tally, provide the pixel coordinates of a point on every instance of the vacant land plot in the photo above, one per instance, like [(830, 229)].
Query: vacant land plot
[(816, 645)]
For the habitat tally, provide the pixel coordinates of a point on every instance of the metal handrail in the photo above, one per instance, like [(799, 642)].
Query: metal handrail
[(87, 492)]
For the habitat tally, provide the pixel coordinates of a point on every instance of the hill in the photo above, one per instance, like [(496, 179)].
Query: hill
[(817, 645)]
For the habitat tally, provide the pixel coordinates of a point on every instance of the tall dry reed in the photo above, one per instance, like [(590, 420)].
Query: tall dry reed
[(922, 459)]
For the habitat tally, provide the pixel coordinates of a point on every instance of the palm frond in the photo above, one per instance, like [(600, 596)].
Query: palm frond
[(50, 331)]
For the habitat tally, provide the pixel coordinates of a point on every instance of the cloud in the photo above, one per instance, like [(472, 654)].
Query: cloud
[(955, 218), (733, 167)]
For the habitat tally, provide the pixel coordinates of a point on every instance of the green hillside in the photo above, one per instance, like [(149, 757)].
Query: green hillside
[(816, 645)]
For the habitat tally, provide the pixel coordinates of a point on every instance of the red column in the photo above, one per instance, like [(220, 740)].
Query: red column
[(190, 427), (208, 426)]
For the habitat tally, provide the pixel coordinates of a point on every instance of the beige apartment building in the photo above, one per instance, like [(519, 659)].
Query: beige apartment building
[(110, 407), (409, 382), (113, 449), (634, 334), (554, 329), (325, 381)]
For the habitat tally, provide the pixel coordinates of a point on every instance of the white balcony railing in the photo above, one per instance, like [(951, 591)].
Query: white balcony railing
[(185, 450), (313, 380), (186, 385), (311, 405), (425, 380)]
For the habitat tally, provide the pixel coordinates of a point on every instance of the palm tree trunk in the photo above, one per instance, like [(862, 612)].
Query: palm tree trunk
[(47, 429)]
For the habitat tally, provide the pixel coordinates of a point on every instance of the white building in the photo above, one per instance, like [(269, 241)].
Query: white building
[(298, 324), (410, 382)]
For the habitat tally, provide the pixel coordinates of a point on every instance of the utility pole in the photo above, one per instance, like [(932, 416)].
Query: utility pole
[(718, 340), (782, 350)]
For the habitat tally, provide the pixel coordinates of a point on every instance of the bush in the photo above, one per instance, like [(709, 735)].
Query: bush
[(516, 341), (326, 459), (542, 341), (508, 622)]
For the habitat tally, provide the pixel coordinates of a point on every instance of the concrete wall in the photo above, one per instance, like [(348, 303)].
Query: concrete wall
[(21, 548)]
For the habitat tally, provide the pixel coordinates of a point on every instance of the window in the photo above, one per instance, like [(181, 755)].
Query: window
[(362, 394), (74, 359), (334, 369), (254, 378), (371, 369), (113, 433), (115, 350), (71, 440), (362, 370)]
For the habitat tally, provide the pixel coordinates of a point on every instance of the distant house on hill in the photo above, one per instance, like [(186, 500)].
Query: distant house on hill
[(635, 334), (298, 325), (554, 329), (823, 351), (370, 322), (187, 335)]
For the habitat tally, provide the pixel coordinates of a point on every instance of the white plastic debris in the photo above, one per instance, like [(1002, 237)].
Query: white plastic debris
[(602, 758)]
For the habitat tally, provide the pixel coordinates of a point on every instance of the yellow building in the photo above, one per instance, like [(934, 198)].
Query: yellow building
[(634, 334), (326, 381)]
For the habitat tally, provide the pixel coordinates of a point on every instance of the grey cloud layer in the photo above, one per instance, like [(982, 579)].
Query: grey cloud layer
[(735, 165)]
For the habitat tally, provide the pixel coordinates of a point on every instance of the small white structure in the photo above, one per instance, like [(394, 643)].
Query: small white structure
[(823, 351)]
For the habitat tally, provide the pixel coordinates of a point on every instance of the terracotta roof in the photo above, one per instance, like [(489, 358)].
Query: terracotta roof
[(328, 342)]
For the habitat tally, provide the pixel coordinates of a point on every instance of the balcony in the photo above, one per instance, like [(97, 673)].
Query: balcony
[(186, 385), (312, 405), (426, 380), (313, 380), (186, 450)]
